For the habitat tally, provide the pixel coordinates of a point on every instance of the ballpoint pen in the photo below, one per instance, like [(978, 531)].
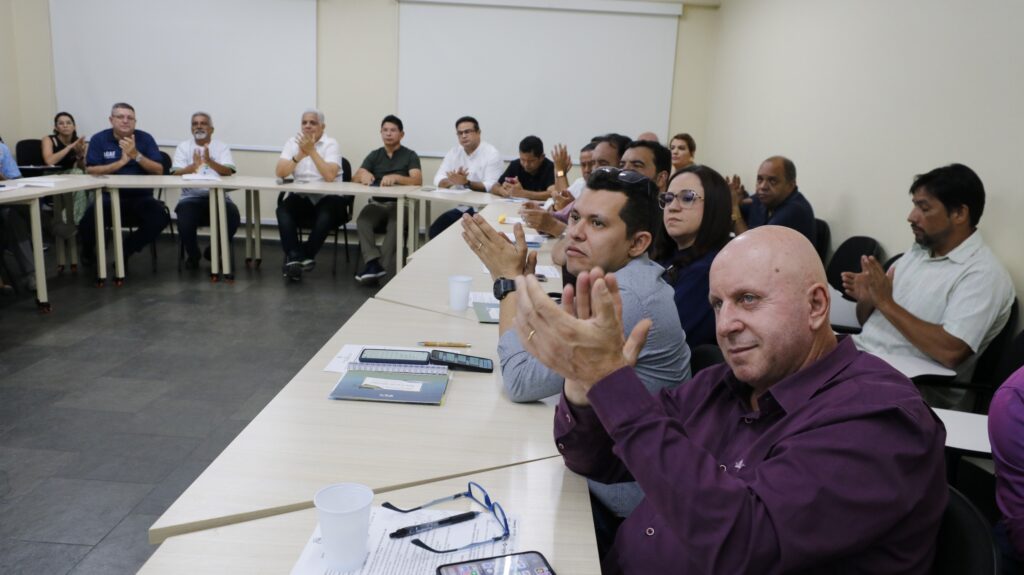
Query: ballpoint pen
[(414, 529), (443, 344)]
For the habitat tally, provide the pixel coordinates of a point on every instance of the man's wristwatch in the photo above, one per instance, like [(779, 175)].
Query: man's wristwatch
[(503, 287), (560, 173)]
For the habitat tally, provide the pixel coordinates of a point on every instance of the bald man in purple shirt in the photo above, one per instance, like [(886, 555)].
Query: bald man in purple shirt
[(800, 454)]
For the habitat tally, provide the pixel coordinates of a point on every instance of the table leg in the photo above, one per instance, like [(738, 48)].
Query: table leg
[(400, 244), (115, 217), (59, 243), (248, 227), (414, 224), (258, 245), (214, 235), (225, 240), (35, 217), (101, 240), (69, 214)]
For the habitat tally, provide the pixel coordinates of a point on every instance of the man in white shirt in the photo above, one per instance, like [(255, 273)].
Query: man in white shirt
[(309, 156), (473, 164), (206, 157), (948, 296)]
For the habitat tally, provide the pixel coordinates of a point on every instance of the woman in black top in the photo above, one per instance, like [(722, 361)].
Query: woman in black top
[(63, 147)]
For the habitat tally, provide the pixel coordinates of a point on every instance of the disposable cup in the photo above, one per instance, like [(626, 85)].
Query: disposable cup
[(458, 292), (343, 510)]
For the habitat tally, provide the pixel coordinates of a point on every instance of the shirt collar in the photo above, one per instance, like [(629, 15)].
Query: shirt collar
[(796, 389), (967, 248)]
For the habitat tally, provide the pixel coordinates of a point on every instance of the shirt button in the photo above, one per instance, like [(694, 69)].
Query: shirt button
[(722, 467), (748, 420), (561, 447), (568, 418), (649, 531)]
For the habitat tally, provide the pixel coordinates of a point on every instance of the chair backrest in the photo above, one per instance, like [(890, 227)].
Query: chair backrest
[(998, 356), (29, 153), (346, 170), (165, 161), (847, 258), (965, 543), (705, 355), (822, 239)]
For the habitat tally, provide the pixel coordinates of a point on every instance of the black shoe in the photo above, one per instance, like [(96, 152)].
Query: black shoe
[(191, 263), (371, 273), (206, 254), (293, 270), (308, 264)]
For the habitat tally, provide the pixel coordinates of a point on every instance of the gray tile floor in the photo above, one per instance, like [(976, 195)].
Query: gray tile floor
[(111, 405)]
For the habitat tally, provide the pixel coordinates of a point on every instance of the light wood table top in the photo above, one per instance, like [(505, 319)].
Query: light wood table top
[(550, 502), (965, 431), (302, 440)]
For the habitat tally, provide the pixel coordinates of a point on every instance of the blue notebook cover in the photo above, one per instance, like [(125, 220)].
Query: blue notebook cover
[(358, 383)]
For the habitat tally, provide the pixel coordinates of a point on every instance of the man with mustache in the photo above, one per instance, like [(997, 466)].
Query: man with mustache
[(800, 454), (777, 200), (948, 296)]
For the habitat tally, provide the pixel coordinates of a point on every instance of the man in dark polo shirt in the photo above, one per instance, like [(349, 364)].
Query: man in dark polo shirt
[(121, 149), (528, 177), (390, 165), (777, 202)]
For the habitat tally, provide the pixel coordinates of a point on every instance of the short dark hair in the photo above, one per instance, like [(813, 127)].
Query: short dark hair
[(588, 148), (124, 105), (692, 145), (954, 185), (788, 167), (715, 225), (641, 209), (532, 145), (393, 119), (476, 125), (74, 133), (662, 156), (617, 141)]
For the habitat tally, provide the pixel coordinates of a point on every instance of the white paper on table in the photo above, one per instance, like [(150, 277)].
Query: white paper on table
[(398, 556), (482, 297), (510, 220), (912, 366), (38, 183), (10, 185), (349, 353), (208, 177), (452, 191), (530, 238)]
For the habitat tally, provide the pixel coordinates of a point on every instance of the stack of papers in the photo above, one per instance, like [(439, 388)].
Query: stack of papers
[(389, 555), (208, 177)]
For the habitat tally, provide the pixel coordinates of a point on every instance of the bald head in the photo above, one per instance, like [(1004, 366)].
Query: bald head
[(768, 289)]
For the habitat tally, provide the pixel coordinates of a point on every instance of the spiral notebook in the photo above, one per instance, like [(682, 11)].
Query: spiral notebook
[(425, 384)]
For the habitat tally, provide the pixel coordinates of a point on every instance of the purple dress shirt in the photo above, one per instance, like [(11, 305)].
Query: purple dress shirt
[(1006, 432), (841, 470)]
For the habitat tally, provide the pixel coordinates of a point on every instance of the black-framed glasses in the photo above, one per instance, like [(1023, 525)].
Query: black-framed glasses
[(475, 492), (686, 197)]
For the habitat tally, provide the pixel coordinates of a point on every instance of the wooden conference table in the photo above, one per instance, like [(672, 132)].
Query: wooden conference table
[(551, 503)]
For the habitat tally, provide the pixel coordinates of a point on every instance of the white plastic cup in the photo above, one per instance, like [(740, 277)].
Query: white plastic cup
[(343, 510), (458, 292)]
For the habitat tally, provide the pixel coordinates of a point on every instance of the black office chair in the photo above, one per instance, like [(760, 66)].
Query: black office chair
[(965, 545), (847, 259), (349, 201), (822, 239), (30, 158), (1001, 358), (705, 355)]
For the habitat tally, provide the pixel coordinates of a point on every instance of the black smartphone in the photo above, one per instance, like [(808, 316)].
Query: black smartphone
[(461, 361), (395, 356), (512, 564)]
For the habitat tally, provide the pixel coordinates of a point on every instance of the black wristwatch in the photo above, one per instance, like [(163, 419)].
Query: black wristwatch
[(502, 287)]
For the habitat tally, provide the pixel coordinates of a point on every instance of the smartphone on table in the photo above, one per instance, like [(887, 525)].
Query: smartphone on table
[(531, 562)]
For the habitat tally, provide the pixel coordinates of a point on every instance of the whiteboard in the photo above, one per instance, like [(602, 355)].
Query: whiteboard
[(564, 75), (250, 63)]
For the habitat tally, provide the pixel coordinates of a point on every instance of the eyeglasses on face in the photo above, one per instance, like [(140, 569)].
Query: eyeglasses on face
[(465, 132), (687, 198), (476, 493)]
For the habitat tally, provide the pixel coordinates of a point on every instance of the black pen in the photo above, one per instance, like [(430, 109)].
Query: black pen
[(414, 529)]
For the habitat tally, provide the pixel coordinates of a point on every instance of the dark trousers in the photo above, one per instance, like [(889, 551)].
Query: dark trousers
[(194, 212), (323, 217), (16, 235), (446, 219), (143, 212)]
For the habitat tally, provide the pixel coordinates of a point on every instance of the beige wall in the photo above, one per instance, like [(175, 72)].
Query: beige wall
[(864, 95)]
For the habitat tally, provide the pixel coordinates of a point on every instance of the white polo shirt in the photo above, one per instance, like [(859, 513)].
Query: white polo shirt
[(219, 152), (484, 164), (967, 292)]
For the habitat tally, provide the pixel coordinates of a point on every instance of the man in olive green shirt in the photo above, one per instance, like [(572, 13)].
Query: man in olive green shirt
[(391, 165)]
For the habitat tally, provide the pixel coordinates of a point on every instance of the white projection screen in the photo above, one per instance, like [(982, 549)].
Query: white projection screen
[(563, 71), (250, 63)]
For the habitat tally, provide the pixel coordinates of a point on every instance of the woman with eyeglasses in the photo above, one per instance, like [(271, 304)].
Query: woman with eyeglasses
[(683, 148), (697, 210)]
